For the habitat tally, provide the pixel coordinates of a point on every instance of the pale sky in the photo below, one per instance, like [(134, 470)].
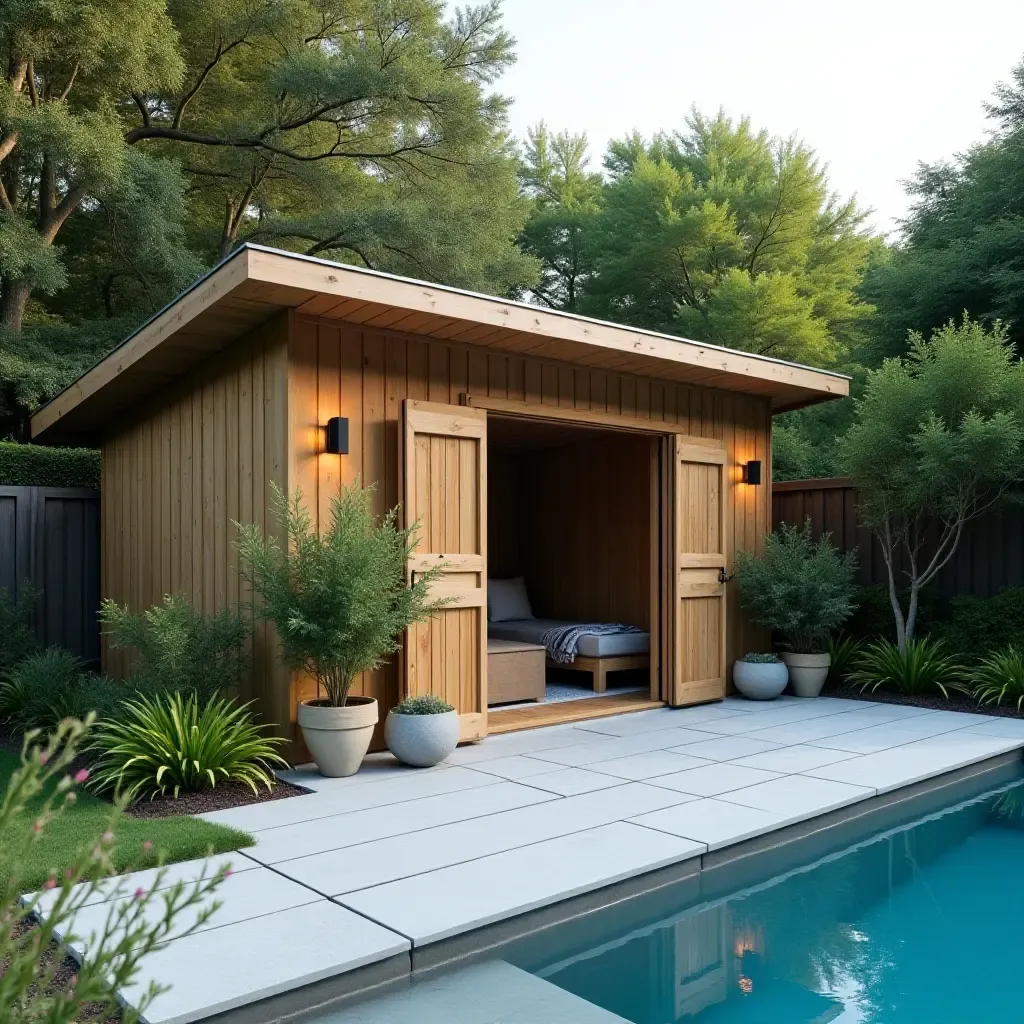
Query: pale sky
[(873, 86)]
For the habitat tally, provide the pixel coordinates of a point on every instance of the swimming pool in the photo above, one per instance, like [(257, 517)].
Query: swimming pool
[(922, 923)]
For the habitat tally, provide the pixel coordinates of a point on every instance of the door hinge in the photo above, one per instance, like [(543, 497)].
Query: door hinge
[(724, 578)]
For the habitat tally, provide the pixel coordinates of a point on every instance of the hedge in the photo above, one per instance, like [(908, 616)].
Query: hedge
[(33, 465)]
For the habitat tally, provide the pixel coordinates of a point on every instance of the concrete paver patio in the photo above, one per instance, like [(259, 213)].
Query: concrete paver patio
[(367, 868)]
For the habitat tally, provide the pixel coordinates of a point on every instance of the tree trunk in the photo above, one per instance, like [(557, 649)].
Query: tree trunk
[(14, 296), (897, 611), (915, 589)]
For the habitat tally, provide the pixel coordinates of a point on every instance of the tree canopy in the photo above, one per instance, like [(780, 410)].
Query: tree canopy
[(718, 232), (140, 140)]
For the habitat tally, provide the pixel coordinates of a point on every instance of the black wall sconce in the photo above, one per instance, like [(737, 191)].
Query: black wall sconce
[(752, 472), (336, 442)]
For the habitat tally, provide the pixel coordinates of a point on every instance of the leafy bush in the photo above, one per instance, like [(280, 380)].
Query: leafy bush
[(923, 668), (999, 677), (801, 587), (52, 685), (170, 742), (29, 990), (17, 638), (979, 625), (757, 658), (179, 648), (426, 704), (338, 597), (35, 465)]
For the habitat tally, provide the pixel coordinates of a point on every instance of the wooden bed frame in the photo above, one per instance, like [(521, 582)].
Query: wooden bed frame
[(600, 667)]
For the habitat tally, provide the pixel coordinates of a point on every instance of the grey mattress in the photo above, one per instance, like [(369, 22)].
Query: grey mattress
[(531, 630)]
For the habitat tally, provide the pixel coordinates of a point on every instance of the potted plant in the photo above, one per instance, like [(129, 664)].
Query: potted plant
[(340, 602), (760, 676), (801, 588), (422, 731)]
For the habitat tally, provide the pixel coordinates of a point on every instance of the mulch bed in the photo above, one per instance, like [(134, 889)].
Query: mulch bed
[(222, 796), (956, 701), (93, 1013)]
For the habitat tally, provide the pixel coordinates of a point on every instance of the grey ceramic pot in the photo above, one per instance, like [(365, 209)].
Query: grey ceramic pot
[(760, 680), (338, 738), (422, 740)]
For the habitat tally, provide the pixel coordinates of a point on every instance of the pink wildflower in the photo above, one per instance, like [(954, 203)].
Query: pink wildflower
[(140, 893), (44, 757), (37, 825), (228, 873), (81, 775)]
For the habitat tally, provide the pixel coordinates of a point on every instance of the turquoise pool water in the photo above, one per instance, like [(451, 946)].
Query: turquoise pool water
[(924, 925)]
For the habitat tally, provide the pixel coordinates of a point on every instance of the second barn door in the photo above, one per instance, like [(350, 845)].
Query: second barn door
[(444, 456), (697, 667)]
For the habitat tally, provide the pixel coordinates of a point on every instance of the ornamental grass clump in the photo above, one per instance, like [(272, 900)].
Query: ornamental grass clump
[(338, 597), (1000, 677), (172, 743), (798, 586), (922, 667), (141, 919)]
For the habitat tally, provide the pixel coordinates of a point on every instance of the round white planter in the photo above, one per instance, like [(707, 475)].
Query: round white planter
[(807, 672), (422, 740), (760, 680), (338, 738)]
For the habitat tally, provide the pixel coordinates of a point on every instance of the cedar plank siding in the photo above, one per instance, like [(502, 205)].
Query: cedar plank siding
[(205, 450)]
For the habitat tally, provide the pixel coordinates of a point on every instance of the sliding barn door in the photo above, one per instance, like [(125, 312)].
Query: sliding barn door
[(698, 486), (445, 490)]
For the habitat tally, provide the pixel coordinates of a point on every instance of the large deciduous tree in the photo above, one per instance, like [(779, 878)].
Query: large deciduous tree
[(360, 129), (727, 235), (938, 437)]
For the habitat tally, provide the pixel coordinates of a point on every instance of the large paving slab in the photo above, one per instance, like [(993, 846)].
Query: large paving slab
[(224, 968), (712, 822), (796, 797), (302, 839), (479, 892), (713, 779), (482, 994), (402, 787), (383, 861), (653, 721), (613, 747)]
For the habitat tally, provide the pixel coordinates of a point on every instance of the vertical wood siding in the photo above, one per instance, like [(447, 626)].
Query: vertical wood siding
[(176, 477), (365, 374)]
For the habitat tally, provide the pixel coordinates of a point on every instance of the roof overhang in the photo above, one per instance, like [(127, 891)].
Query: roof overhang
[(256, 283)]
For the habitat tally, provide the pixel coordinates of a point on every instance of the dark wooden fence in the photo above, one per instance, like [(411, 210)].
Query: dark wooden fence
[(990, 555), (50, 537)]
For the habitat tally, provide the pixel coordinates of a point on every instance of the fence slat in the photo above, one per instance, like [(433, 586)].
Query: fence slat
[(990, 555), (50, 538)]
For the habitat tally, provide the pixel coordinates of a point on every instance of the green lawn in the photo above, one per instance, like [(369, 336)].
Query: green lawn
[(177, 838)]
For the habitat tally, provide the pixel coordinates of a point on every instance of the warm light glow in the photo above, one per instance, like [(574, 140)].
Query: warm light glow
[(746, 984), (747, 940)]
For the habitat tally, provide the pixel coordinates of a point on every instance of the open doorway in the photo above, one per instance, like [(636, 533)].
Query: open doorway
[(573, 551)]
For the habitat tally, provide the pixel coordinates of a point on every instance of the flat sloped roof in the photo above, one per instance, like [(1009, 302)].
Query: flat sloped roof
[(255, 283)]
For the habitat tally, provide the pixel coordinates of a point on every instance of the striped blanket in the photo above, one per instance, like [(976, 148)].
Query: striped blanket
[(561, 641)]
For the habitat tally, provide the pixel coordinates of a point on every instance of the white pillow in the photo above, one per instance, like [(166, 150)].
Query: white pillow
[(506, 599)]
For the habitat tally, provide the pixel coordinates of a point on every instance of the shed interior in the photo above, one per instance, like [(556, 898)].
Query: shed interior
[(572, 509)]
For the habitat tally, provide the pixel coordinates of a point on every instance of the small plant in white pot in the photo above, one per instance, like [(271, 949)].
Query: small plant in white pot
[(760, 676), (422, 731), (801, 588), (340, 602)]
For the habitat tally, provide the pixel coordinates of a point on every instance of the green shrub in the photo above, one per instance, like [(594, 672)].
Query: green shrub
[(798, 586), (873, 617), (426, 704), (172, 743), (51, 685), (338, 597), (34, 465), (999, 677), (977, 626), (178, 648), (17, 638), (923, 668), (36, 797), (843, 651)]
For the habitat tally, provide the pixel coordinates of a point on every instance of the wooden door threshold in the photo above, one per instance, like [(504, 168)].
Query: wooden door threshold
[(538, 715)]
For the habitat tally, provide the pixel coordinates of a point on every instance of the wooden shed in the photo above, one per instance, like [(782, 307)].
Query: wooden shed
[(602, 464)]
